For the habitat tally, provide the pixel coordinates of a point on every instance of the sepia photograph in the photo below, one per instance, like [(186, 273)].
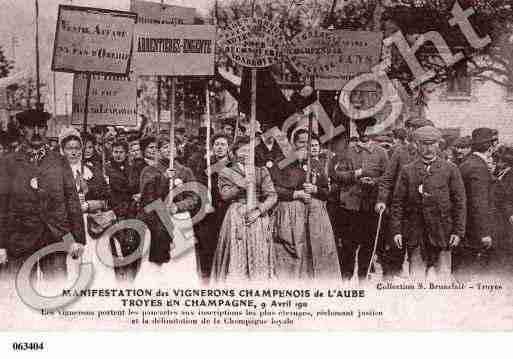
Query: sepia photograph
[(255, 166)]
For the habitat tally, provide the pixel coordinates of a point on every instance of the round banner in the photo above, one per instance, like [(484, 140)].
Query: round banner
[(253, 42)]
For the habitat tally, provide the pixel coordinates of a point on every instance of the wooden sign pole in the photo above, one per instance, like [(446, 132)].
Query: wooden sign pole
[(250, 171), (86, 111), (309, 143), (159, 98), (207, 144), (172, 131)]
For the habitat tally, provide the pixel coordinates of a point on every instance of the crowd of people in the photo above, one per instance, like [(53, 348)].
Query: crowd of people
[(409, 199)]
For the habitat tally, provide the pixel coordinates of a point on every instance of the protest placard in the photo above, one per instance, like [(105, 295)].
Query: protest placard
[(112, 100), (334, 57), (253, 42), (93, 40), (156, 13), (174, 50)]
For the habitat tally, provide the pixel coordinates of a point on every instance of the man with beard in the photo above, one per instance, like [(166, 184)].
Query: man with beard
[(357, 174), (39, 203), (428, 208)]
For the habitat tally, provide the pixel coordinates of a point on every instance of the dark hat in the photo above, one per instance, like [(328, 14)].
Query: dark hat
[(418, 122), (428, 134), (32, 118), (483, 135), (463, 142), (399, 133)]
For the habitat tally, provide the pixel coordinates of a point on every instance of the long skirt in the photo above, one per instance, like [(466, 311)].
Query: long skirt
[(244, 252), (304, 244), (182, 269), (98, 252)]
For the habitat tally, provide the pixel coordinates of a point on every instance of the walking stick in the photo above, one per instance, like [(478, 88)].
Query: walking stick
[(375, 243)]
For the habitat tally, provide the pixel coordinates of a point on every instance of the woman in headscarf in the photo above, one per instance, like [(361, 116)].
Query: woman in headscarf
[(94, 196), (304, 243), (161, 265), (244, 251)]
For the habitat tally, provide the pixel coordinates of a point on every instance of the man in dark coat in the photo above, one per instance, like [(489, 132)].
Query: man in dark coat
[(474, 254), (39, 203), (428, 208), (392, 258), (504, 201), (357, 174)]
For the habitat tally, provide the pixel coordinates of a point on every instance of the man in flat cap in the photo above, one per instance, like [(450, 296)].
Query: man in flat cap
[(39, 202), (356, 174), (474, 255), (402, 155), (461, 149), (428, 208)]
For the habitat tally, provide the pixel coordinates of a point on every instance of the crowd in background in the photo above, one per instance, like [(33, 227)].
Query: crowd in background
[(409, 198)]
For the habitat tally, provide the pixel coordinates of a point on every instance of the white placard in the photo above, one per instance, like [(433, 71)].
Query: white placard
[(93, 40)]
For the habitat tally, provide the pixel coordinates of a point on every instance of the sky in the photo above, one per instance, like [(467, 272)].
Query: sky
[(17, 20)]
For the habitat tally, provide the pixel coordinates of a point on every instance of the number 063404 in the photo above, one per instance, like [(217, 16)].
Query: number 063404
[(27, 346)]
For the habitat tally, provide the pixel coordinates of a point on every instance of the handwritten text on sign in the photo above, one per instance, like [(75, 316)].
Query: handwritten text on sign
[(174, 50), (92, 40), (156, 13), (334, 57), (112, 100), (253, 42)]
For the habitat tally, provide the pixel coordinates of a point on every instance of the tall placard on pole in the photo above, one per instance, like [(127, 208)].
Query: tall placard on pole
[(334, 57), (255, 43), (93, 40), (174, 50), (112, 100)]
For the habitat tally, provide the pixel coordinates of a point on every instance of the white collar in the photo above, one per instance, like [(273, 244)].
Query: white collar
[(77, 168)]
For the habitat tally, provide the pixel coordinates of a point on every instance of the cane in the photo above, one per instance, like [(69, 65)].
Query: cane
[(375, 243)]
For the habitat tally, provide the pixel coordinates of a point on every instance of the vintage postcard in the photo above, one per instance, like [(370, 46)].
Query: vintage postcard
[(265, 165)]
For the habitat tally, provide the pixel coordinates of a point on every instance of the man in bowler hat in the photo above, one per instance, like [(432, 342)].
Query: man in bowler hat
[(474, 255)]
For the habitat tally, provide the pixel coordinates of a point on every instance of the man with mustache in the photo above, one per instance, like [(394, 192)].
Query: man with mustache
[(428, 208), (357, 173), (39, 202)]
